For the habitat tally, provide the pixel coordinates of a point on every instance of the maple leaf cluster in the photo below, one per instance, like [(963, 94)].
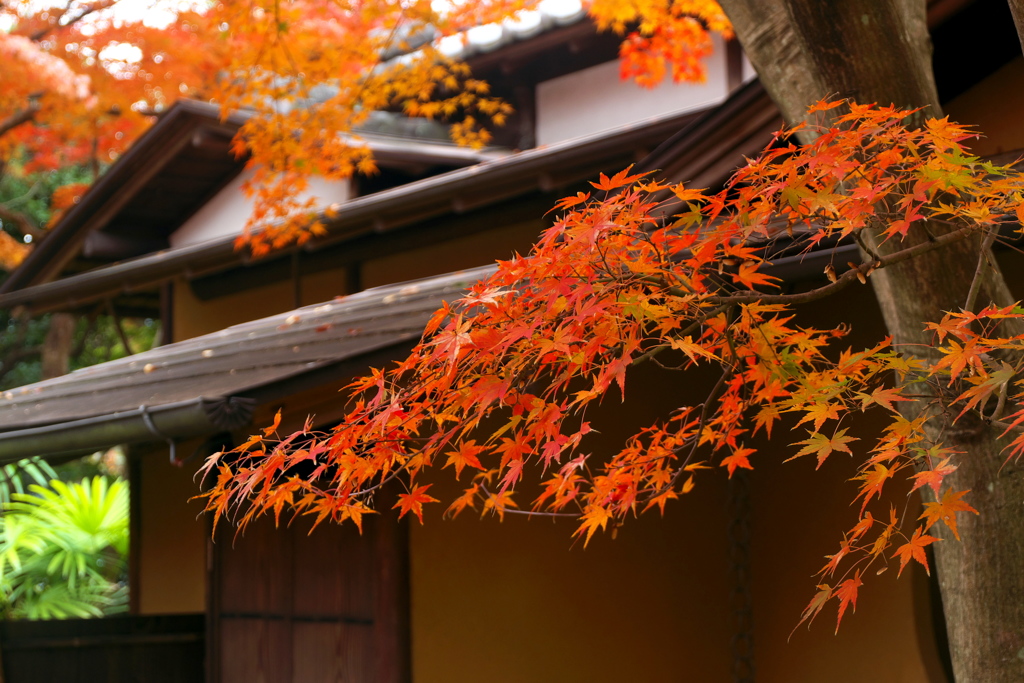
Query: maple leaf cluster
[(313, 71), (81, 82), (81, 77), (645, 271), (671, 37)]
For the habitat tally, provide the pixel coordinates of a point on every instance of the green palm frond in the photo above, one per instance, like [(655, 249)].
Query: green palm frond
[(63, 548), (15, 477)]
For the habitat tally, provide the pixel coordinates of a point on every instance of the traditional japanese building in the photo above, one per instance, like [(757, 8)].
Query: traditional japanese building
[(705, 592)]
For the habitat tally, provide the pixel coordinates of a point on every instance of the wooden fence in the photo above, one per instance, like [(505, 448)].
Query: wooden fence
[(122, 649)]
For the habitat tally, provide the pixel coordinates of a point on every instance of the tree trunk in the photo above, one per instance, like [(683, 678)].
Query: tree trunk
[(1017, 10), (57, 345), (878, 51)]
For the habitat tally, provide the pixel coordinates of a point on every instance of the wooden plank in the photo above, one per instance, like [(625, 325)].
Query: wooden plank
[(253, 565), (336, 565), (392, 627), (254, 651), (134, 528), (333, 653)]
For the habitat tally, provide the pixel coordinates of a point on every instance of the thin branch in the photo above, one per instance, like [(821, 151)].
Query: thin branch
[(712, 396), (983, 260), (847, 278), (85, 11), (865, 246), (117, 326)]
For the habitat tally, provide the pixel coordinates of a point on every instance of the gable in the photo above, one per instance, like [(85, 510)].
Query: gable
[(228, 211), (598, 98)]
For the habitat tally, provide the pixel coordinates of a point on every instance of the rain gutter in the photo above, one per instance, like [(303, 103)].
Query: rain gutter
[(171, 423)]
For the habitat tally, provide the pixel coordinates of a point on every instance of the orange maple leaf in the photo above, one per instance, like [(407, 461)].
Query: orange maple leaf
[(466, 500), (413, 502), (618, 180), (946, 510), (465, 456), (874, 480), (594, 517), (498, 503), (934, 476), (815, 606), (823, 446), (267, 431), (914, 550), (739, 458), (847, 593), (819, 412), (883, 397)]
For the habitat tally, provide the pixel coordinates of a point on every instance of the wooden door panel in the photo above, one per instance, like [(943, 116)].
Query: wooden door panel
[(350, 646), (255, 651), (287, 606), (348, 593), (253, 564)]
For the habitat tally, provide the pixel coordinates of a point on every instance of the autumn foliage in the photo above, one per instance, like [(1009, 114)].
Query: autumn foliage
[(640, 271), (83, 79), (354, 59)]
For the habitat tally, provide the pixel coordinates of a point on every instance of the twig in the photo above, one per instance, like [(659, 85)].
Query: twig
[(848, 277), (983, 255)]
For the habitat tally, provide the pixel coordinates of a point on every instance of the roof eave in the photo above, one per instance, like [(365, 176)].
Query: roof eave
[(452, 192)]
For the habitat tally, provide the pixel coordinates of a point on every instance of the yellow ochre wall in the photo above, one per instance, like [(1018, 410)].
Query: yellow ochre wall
[(194, 317), (171, 545), (520, 601)]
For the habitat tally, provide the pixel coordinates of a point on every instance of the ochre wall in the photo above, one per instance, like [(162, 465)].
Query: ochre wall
[(172, 539), (521, 601), (469, 251), (194, 317)]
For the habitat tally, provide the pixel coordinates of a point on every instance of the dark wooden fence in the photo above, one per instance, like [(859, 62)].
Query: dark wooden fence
[(123, 649)]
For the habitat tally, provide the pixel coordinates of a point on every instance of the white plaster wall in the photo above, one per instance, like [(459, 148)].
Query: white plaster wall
[(228, 211), (596, 99)]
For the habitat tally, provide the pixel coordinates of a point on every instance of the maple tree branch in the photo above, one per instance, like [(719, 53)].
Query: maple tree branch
[(700, 425), (692, 327), (528, 513), (18, 118), (22, 221), (854, 274), (1007, 426), (86, 11), (865, 246)]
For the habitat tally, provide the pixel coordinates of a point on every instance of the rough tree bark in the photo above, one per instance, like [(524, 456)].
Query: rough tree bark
[(879, 51)]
